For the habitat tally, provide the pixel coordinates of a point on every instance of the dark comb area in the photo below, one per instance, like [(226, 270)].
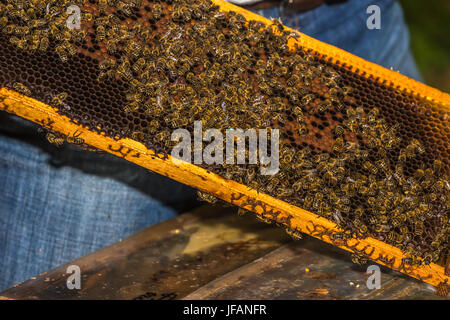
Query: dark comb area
[(364, 154)]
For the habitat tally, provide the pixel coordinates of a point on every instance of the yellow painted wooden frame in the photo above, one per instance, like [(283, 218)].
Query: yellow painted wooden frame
[(228, 190), (238, 194)]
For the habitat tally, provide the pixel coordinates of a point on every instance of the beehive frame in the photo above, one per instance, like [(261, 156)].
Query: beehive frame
[(288, 215)]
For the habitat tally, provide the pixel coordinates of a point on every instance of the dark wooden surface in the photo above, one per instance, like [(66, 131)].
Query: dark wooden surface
[(212, 253), (309, 270)]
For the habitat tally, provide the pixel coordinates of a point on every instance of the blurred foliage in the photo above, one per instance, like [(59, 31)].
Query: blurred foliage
[(429, 25)]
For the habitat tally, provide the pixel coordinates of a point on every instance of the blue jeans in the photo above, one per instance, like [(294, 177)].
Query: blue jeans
[(59, 204)]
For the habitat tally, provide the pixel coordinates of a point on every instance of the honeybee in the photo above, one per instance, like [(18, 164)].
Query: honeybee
[(242, 211), (75, 138), (55, 139), (405, 232), (391, 236), (399, 238), (418, 228), (383, 164), (3, 22), (111, 46), (322, 157), (59, 98), (206, 197), (157, 11), (437, 166), (161, 136), (264, 219), (139, 65), (359, 211), (102, 5), (276, 22), (329, 82), (360, 226), (87, 17), (346, 90), (351, 113), (302, 130), (134, 49), (10, 29), (382, 228), (286, 156), (330, 178), (62, 54), (307, 99), (124, 7), (324, 106), (153, 126), (402, 156), (338, 238), (21, 88), (101, 32), (295, 234), (131, 107), (338, 144), (107, 63), (408, 152), (418, 146), (138, 136), (398, 220), (292, 81), (339, 130), (124, 72), (37, 23), (136, 3), (369, 166), (358, 259), (297, 186), (428, 177)]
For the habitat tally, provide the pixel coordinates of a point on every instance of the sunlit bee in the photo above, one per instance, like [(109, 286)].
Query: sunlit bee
[(206, 197), (102, 5), (59, 98), (75, 138), (131, 107), (62, 53), (55, 139), (21, 88)]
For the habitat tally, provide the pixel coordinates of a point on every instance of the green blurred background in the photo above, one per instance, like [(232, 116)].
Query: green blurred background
[(429, 25)]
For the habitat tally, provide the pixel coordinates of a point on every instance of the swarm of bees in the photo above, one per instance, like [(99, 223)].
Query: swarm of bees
[(185, 61)]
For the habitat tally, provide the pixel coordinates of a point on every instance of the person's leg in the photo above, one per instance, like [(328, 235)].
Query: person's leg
[(59, 204), (344, 25)]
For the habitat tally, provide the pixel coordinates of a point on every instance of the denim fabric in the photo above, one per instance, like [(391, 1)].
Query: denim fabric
[(57, 204)]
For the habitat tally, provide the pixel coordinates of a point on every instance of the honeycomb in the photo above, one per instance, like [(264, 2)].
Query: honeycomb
[(364, 154)]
